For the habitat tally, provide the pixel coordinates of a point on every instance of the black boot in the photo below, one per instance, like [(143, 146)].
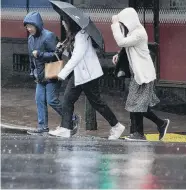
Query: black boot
[(133, 124), (136, 137), (137, 127)]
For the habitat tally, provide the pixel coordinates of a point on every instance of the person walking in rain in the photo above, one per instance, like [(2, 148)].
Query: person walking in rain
[(41, 47), (84, 71), (131, 35)]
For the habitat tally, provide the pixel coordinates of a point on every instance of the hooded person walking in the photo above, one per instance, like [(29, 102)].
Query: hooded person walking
[(41, 48), (129, 33)]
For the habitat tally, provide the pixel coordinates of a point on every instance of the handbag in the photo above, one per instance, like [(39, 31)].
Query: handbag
[(122, 65), (52, 69)]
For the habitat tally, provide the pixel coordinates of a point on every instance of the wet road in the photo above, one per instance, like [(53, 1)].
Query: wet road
[(87, 162)]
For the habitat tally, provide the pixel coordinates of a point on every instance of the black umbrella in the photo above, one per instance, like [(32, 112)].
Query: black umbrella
[(81, 19)]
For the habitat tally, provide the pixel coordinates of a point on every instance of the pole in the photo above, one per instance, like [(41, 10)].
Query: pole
[(144, 13), (27, 6), (132, 3), (157, 34), (71, 1), (90, 116), (156, 21), (27, 10)]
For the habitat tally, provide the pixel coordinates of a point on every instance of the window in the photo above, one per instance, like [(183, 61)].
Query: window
[(20, 62)]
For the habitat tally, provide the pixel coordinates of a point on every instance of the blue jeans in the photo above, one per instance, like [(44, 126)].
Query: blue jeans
[(47, 93)]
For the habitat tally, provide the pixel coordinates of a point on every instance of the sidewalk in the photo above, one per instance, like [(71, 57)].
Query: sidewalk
[(18, 109)]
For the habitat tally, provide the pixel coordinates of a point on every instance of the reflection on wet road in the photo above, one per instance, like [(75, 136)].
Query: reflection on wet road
[(86, 162)]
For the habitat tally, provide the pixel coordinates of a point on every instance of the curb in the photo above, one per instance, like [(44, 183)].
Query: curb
[(9, 128)]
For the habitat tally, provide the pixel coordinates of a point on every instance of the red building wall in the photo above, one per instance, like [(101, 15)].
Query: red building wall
[(173, 52), (172, 42)]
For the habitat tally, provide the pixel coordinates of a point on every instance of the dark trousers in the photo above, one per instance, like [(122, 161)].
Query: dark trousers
[(91, 90), (137, 120)]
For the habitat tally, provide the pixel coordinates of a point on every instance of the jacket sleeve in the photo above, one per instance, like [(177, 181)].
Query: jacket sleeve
[(80, 48), (122, 41), (50, 45), (32, 67), (31, 63)]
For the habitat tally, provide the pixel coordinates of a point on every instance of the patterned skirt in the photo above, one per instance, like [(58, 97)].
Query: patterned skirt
[(140, 97)]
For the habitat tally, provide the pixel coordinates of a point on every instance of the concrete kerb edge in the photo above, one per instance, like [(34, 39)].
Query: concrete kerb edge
[(7, 126)]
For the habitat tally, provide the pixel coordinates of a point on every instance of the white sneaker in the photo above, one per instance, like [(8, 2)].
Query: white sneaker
[(116, 132), (61, 132)]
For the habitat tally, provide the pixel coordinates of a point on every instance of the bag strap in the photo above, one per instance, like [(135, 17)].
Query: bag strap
[(57, 56)]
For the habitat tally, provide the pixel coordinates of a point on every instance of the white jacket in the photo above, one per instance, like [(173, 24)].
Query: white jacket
[(136, 44), (84, 61)]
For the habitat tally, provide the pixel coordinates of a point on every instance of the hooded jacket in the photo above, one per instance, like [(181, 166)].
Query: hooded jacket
[(136, 45), (44, 42)]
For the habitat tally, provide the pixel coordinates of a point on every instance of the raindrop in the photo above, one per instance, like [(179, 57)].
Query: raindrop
[(10, 151), (181, 177), (15, 145), (167, 174), (11, 186), (4, 150), (178, 149), (51, 171), (13, 178)]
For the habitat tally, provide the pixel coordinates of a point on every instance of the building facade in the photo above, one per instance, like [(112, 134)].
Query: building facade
[(169, 34)]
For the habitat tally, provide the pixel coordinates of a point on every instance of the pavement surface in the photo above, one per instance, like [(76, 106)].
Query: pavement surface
[(18, 110), (32, 162), (87, 160)]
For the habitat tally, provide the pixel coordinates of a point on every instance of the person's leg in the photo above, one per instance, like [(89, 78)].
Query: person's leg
[(153, 117), (139, 123), (137, 127), (71, 95), (162, 125), (91, 90), (133, 123), (52, 96), (41, 103), (42, 110)]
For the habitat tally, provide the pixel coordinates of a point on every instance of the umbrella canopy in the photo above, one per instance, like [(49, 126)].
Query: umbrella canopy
[(81, 19)]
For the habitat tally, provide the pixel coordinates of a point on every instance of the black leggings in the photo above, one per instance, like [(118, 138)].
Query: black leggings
[(137, 120)]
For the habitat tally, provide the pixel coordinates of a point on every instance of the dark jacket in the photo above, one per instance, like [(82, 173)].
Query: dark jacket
[(44, 42)]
